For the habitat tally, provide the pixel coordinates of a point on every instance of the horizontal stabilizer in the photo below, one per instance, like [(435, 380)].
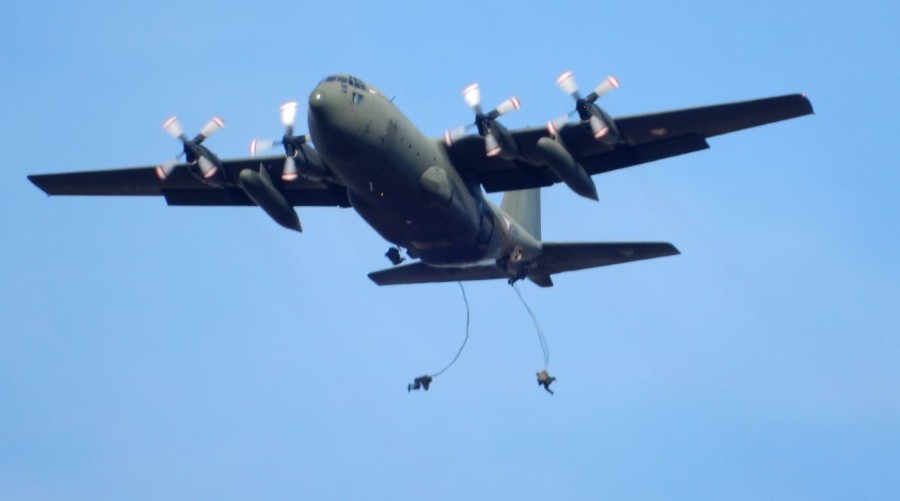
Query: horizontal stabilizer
[(421, 273), (559, 257)]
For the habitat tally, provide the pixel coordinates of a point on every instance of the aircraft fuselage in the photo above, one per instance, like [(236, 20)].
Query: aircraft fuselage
[(403, 183)]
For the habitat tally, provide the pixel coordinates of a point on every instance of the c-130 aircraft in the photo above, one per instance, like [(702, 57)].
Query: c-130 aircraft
[(427, 195)]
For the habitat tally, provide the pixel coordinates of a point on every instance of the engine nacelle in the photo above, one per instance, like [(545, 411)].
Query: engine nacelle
[(566, 168), (260, 189)]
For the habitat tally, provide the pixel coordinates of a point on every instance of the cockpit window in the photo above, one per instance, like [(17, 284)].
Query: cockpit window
[(334, 78), (355, 82)]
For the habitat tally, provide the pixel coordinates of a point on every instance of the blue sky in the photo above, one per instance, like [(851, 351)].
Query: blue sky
[(149, 352)]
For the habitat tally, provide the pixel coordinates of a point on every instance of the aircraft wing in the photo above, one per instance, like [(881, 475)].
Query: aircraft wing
[(182, 188), (643, 138)]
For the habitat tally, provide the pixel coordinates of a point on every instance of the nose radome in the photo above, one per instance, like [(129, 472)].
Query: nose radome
[(320, 102)]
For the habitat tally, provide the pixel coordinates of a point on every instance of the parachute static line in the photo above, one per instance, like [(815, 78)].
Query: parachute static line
[(463, 345), (540, 332), (425, 380)]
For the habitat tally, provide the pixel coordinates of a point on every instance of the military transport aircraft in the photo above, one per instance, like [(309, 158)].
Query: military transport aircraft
[(426, 195)]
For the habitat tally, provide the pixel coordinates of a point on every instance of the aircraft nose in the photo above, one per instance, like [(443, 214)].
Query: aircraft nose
[(330, 120), (322, 103)]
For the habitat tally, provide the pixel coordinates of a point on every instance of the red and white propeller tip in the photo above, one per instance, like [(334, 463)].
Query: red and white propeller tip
[(215, 124), (288, 113), (553, 126), (173, 127), (451, 135), (566, 82), (511, 104), (608, 84), (163, 170), (472, 95), (207, 167), (599, 128), (260, 145), (491, 145), (290, 170)]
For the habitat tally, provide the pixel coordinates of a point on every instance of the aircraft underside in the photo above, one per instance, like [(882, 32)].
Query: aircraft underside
[(425, 195)]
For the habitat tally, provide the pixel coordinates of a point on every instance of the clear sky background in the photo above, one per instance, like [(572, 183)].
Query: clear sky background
[(149, 352)]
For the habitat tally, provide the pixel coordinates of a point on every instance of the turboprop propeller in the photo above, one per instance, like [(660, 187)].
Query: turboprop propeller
[(602, 125), (488, 128), (192, 152), (290, 142)]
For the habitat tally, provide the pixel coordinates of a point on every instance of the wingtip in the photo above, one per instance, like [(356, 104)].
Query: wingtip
[(808, 103), (34, 178), (375, 277)]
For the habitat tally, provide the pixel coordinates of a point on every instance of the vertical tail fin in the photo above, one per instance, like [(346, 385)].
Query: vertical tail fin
[(525, 207)]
